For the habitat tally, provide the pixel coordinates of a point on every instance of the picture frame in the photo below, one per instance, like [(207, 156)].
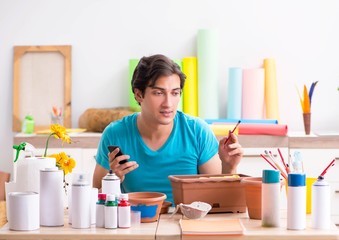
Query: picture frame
[(41, 81)]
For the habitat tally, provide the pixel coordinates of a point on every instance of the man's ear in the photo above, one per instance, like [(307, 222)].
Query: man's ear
[(138, 95)]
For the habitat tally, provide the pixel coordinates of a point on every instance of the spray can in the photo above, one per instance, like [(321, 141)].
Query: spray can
[(321, 204), (51, 194), (296, 201), (100, 210), (111, 184), (81, 202), (111, 212), (124, 212), (270, 195)]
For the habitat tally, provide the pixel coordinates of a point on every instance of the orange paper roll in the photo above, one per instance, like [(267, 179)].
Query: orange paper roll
[(264, 129), (271, 90), (190, 94)]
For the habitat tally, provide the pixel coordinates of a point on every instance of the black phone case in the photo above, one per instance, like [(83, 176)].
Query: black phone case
[(112, 148)]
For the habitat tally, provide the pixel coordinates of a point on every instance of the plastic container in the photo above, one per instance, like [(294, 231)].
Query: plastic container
[(270, 195), (321, 205), (124, 212), (111, 212), (296, 201), (51, 194), (100, 210)]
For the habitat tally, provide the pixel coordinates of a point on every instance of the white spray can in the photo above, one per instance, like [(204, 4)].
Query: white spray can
[(321, 204), (81, 202), (111, 184)]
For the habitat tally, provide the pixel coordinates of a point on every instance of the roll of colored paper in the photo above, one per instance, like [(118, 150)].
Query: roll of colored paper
[(230, 120), (131, 67), (234, 93), (253, 93), (263, 129), (271, 89), (208, 99), (180, 105), (190, 93), (223, 129)]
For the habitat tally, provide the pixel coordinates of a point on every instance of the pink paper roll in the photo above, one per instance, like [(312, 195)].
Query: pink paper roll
[(253, 98), (263, 129)]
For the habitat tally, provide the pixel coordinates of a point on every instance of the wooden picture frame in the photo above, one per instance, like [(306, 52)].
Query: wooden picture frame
[(41, 80)]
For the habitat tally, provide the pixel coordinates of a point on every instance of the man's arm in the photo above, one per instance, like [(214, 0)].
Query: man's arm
[(212, 166), (99, 173)]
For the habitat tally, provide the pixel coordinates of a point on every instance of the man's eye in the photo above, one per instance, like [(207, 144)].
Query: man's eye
[(176, 94), (158, 93)]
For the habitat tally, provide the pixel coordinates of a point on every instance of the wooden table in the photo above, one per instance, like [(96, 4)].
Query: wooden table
[(168, 228)]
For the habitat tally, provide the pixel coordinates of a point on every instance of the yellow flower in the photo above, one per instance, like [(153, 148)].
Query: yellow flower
[(59, 132), (64, 162)]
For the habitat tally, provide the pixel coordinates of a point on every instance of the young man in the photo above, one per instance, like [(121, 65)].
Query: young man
[(161, 141)]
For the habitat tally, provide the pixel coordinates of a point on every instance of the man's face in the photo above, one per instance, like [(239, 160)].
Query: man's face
[(160, 102)]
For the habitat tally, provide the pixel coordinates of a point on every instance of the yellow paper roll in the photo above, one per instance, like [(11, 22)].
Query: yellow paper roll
[(181, 103), (271, 90), (223, 129), (190, 93)]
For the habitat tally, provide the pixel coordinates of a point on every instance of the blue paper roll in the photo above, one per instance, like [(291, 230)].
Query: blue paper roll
[(234, 93)]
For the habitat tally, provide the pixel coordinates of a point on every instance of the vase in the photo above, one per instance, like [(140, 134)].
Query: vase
[(307, 123)]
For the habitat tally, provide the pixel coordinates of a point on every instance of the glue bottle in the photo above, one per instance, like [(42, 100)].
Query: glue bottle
[(111, 212), (100, 210), (124, 212), (321, 204), (270, 195), (296, 201)]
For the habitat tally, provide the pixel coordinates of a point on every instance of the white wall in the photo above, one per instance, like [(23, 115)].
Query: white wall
[(301, 35)]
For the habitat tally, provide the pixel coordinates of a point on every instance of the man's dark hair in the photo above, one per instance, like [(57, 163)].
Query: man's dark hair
[(149, 69)]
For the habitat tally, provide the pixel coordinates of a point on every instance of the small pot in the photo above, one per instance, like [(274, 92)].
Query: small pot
[(252, 186)]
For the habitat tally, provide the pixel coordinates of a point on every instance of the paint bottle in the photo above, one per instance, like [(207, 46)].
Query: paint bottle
[(100, 210), (81, 202), (296, 201), (111, 184), (124, 211), (111, 212), (270, 195), (51, 194), (321, 204)]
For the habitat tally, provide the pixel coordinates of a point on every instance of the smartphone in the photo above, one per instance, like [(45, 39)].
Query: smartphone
[(112, 148)]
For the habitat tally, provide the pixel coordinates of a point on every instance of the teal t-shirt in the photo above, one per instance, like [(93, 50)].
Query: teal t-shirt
[(190, 144)]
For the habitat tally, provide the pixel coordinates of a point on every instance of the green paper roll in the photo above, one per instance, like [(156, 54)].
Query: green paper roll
[(132, 102), (190, 94), (208, 100), (180, 105)]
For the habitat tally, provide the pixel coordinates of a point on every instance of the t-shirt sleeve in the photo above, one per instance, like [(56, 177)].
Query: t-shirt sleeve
[(207, 141)]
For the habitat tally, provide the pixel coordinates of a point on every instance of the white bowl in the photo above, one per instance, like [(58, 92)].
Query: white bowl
[(195, 210)]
